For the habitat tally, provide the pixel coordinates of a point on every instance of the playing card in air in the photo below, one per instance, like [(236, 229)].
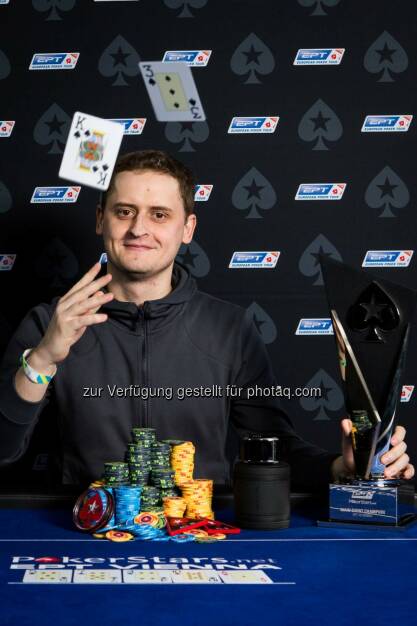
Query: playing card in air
[(91, 151), (172, 91)]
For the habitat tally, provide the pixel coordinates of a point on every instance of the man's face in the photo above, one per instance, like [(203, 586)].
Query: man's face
[(143, 224)]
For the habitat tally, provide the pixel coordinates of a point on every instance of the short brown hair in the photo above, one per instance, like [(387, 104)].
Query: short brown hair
[(158, 161)]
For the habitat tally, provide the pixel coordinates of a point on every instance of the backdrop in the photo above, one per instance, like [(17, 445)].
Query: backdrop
[(321, 108)]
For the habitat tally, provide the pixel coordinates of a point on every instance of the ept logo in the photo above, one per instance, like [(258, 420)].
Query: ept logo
[(55, 195), (320, 191), (103, 258), (194, 58), (386, 123), (54, 61), (7, 262), (319, 56), (406, 393), (315, 326), (253, 125), (6, 128), (202, 193), (254, 259), (132, 126), (387, 258)]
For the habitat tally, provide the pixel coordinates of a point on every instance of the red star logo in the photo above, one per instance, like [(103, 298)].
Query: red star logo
[(401, 122), (68, 61), (402, 258), (47, 559), (200, 58), (268, 124), (135, 126), (269, 259), (333, 56), (3, 129), (70, 194)]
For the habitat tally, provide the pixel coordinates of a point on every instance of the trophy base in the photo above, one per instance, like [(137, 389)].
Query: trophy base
[(382, 502)]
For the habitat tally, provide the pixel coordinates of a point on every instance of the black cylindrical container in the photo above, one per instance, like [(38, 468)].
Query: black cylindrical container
[(261, 485)]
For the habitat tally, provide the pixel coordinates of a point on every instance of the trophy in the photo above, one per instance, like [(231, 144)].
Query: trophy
[(371, 321)]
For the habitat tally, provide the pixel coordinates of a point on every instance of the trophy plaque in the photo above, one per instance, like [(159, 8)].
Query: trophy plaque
[(371, 320)]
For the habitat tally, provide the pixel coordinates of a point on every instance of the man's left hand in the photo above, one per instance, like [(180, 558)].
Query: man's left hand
[(396, 459)]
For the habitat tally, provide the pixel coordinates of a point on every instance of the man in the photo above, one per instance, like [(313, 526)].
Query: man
[(120, 348)]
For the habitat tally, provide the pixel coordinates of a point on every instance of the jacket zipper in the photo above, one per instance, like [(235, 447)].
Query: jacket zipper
[(145, 362)]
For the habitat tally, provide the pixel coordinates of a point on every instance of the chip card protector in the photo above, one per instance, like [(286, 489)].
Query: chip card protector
[(47, 576), (172, 91), (144, 577), (97, 576), (246, 577), (91, 151)]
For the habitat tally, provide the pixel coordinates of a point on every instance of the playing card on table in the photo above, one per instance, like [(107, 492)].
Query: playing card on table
[(196, 577), (91, 151), (146, 576), (50, 576), (172, 91), (97, 576), (246, 577)]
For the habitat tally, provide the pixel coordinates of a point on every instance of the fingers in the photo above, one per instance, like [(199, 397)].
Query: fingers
[(398, 466), (398, 435), (91, 304), (88, 320), (346, 426), (84, 292), (409, 472), (84, 280)]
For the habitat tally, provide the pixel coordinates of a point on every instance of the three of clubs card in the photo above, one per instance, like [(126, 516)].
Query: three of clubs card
[(91, 151), (172, 91)]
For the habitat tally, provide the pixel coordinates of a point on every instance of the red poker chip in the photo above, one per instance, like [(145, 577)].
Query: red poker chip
[(93, 509)]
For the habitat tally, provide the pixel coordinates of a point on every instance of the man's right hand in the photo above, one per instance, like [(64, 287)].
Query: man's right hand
[(75, 311)]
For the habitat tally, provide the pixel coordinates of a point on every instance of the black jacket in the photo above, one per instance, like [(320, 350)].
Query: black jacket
[(186, 340)]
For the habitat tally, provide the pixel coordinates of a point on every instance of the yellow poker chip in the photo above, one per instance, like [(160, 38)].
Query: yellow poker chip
[(208, 539), (147, 518), (118, 536), (99, 535), (196, 532), (218, 536)]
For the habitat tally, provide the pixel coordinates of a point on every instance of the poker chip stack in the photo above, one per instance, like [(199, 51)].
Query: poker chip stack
[(162, 474), (138, 457), (174, 506), (151, 498), (198, 495), (127, 502), (182, 461), (116, 473)]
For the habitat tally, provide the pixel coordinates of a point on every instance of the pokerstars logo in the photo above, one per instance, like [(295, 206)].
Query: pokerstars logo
[(141, 570), (406, 393)]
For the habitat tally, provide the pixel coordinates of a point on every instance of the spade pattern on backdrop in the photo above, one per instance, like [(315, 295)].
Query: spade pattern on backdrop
[(186, 134), (309, 264), (57, 265), (6, 200), (252, 59), (194, 258), (387, 191), (320, 126), (5, 67), (318, 6), (253, 193), (52, 129), (385, 57), (53, 8), (329, 401), (263, 322), (186, 6), (119, 61)]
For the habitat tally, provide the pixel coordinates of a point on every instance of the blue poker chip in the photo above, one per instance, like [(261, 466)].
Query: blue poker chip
[(182, 538)]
